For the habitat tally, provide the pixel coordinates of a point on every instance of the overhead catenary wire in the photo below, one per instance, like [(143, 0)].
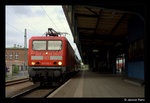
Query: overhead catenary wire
[(14, 28), (26, 23), (17, 29), (59, 20), (32, 29), (64, 16), (49, 17), (16, 41)]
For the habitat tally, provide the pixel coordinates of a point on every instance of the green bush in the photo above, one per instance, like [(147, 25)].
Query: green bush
[(16, 69), (6, 75)]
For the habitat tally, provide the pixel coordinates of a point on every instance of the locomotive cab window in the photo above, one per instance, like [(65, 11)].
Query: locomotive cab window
[(39, 45), (54, 45)]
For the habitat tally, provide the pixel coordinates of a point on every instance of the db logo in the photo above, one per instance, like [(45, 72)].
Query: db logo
[(46, 57)]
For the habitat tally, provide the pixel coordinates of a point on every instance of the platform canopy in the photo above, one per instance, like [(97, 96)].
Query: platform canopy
[(98, 28)]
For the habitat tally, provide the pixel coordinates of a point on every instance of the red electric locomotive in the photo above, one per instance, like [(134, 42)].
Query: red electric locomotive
[(50, 58)]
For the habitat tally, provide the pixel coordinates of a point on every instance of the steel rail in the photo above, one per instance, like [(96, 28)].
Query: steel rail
[(25, 92), (13, 82)]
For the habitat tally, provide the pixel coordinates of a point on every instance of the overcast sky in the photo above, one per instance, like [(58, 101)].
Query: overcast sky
[(37, 20)]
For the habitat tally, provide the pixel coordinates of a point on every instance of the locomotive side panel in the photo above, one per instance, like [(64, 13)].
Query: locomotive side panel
[(70, 58)]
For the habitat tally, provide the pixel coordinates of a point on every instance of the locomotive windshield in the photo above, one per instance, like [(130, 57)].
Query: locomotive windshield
[(54, 45), (50, 45), (39, 45)]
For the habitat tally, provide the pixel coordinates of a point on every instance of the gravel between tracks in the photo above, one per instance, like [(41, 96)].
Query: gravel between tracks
[(15, 89)]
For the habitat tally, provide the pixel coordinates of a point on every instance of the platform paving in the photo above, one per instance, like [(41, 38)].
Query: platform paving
[(92, 84)]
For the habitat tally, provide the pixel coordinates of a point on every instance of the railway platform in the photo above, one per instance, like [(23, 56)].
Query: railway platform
[(93, 84)]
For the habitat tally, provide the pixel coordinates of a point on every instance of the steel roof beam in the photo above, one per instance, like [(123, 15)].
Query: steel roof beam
[(117, 24), (85, 15), (91, 10), (126, 8), (81, 28), (99, 47), (98, 22), (102, 37)]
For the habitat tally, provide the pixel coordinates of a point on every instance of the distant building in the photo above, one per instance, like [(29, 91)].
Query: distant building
[(15, 56)]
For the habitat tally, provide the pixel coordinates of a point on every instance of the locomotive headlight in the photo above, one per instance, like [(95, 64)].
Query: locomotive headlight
[(33, 63), (59, 63)]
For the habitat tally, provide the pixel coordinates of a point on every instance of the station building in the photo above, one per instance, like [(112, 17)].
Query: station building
[(15, 57)]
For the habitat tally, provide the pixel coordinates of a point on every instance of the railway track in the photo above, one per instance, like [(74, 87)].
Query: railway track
[(13, 82), (36, 92), (25, 92)]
